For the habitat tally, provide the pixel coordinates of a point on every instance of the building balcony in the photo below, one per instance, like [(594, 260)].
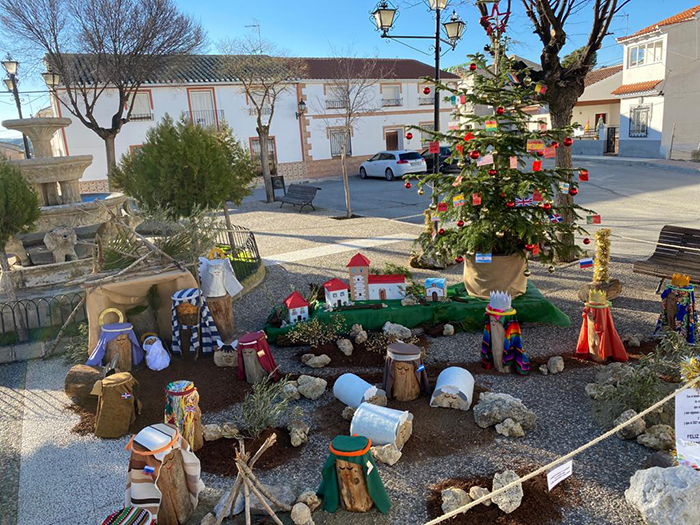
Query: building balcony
[(392, 102), (207, 118), (141, 116), (335, 104), (263, 111), (426, 101)]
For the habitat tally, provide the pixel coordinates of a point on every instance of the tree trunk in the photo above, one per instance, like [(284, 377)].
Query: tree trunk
[(221, 309), (111, 156), (8, 287), (229, 227), (265, 162), (346, 183)]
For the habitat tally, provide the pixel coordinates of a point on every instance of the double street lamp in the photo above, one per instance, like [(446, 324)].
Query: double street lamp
[(11, 67)]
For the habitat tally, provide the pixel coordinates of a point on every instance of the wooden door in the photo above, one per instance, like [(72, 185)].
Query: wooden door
[(392, 140), (382, 294)]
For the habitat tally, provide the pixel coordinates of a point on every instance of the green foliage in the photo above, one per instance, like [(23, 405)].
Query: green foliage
[(264, 407), (413, 287), (316, 333), (379, 341), (19, 204), (183, 166), (496, 225), (572, 58), (77, 350)]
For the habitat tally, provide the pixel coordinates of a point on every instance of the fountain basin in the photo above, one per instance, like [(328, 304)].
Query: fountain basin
[(47, 174), (80, 214), (39, 131)]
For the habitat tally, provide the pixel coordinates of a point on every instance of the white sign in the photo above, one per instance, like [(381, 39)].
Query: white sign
[(688, 428), (559, 474)]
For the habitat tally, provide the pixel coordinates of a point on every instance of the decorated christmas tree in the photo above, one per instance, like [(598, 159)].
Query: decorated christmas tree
[(502, 203)]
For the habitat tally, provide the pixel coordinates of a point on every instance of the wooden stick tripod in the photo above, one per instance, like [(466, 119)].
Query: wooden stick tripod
[(247, 480)]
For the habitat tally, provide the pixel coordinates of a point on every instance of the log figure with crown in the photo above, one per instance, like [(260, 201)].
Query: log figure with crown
[(502, 344), (678, 311), (598, 339)]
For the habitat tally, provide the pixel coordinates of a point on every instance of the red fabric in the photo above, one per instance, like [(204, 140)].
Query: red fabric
[(258, 341), (610, 342)]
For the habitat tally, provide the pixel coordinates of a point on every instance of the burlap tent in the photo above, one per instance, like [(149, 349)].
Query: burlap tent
[(128, 293)]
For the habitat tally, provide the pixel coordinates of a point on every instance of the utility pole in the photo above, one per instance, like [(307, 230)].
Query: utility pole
[(11, 81)]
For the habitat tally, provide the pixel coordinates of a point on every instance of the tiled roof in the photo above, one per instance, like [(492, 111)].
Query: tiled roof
[(599, 74), (295, 300), (358, 260), (685, 16), (386, 279), (335, 284), (637, 87), (187, 69)]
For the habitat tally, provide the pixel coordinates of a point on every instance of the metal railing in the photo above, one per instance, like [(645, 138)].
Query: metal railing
[(239, 245), (207, 118), (38, 319), (265, 110), (141, 116), (426, 101), (335, 104), (392, 102)]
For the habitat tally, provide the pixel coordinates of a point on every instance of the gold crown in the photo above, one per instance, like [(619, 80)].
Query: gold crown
[(597, 296), (680, 280)]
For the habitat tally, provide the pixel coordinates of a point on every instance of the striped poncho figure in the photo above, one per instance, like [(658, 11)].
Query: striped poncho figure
[(502, 344), (678, 311)]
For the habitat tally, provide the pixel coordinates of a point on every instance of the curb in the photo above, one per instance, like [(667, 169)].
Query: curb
[(645, 163)]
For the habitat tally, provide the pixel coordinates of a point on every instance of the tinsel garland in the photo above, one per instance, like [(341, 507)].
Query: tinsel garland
[(690, 369), (602, 256)]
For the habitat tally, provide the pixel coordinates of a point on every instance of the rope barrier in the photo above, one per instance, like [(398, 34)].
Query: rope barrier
[(568, 456)]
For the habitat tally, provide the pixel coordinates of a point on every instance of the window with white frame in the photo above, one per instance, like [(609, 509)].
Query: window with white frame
[(336, 136), (639, 121), (649, 53), (391, 95), (425, 136), (141, 107)]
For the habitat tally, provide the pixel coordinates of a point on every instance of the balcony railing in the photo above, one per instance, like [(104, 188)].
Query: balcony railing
[(141, 116), (426, 101), (335, 104), (208, 117), (263, 111), (392, 102)]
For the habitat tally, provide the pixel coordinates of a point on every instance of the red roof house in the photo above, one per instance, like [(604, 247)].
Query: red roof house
[(358, 260), (295, 300), (335, 285)]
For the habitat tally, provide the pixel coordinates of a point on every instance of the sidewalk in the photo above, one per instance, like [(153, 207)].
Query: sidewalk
[(675, 165)]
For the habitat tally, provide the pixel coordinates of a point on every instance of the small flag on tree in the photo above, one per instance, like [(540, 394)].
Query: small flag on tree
[(586, 262), (463, 99), (476, 199), (537, 165), (536, 196), (468, 136), (535, 145), (583, 175), (458, 200), (593, 219), (536, 249), (442, 207), (457, 181), (555, 217), (513, 78), (564, 187), (523, 201), (491, 125), (483, 257), (453, 100), (486, 160), (540, 88), (514, 162), (550, 152)]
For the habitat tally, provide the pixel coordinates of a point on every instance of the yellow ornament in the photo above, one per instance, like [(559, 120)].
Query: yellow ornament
[(680, 280)]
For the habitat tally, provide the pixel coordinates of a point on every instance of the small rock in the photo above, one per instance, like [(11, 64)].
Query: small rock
[(310, 499), (396, 330), (453, 498), (229, 430), (281, 493), (544, 370), (666, 496), (345, 346), (634, 342), (298, 432), (613, 373), (388, 454), (660, 458), (356, 329), (408, 301), (448, 330), (211, 432), (301, 514), (477, 492), (598, 392), (315, 361), (209, 519), (290, 391), (495, 408), (658, 437), (509, 500), (361, 338), (630, 431), (555, 364), (510, 428), (348, 412), (311, 387)]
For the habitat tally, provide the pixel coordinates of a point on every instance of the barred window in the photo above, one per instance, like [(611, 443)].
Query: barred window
[(336, 136), (639, 121), (425, 137)]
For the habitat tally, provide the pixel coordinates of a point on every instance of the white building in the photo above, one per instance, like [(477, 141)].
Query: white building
[(659, 100), (386, 287), (305, 145), (337, 293)]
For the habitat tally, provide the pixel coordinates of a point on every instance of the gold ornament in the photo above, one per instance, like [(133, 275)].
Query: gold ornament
[(690, 369), (527, 81), (500, 234), (550, 268), (421, 191), (680, 280)]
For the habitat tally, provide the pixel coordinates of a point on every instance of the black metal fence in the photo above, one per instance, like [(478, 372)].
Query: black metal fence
[(239, 245), (38, 319)]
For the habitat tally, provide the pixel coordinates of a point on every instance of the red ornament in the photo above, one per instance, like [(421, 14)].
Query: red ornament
[(573, 191), (586, 241), (540, 153), (460, 223), (500, 110), (492, 172), (555, 144), (529, 247), (468, 136), (459, 259), (547, 206), (472, 67), (568, 141), (503, 194), (426, 90), (407, 185), (474, 154), (510, 204), (441, 231), (409, 136)]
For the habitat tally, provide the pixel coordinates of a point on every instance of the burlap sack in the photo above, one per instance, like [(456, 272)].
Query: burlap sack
[(503, 273), (117, 404)]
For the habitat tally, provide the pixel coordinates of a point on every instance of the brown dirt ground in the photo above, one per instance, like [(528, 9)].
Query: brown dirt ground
[(538, 506)]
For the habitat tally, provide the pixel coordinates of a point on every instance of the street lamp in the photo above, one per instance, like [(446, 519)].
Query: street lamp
[(11, 67), (302, 109), (51, 79), (384, 16)]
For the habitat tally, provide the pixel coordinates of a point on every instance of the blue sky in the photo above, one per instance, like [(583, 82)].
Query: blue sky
[(313, 28)]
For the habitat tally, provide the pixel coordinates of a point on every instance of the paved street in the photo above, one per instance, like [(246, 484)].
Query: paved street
[(633, 200)]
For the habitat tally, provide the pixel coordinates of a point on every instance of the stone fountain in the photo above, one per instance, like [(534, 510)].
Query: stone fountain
[(52, 255)]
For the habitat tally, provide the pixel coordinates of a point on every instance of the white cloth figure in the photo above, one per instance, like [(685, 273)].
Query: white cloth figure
[(218, 278), (157, 357), (454, 389), (353, 390), (380, 424)]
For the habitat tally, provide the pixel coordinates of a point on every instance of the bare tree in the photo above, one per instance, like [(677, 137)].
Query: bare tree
[(96, 46), (351, 95), (565, 81), (265, 73)]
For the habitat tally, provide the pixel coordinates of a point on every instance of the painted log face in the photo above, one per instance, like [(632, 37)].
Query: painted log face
[(176, 506), (121, 346), (352, 486), (254, 372), (498, 337), (446, 400), (221, 309), (406, 387), (405, 431), (672, 309)]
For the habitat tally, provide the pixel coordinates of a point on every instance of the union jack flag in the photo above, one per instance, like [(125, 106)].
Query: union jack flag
[(556, 218), (523, 201)]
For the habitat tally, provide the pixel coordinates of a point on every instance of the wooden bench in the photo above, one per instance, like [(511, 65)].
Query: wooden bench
[(299, 195), (670, 257)]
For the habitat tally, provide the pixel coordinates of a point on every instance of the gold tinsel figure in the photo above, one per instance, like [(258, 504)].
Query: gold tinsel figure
[(690, 369), (602, 256)]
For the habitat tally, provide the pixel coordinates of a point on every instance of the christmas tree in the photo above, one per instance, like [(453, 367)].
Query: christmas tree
[(503, 200)]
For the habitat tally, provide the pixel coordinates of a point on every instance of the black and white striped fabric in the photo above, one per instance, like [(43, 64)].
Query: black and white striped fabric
[(206, 322)]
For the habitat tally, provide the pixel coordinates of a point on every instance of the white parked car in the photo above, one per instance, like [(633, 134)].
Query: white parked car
[(392, 164)]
